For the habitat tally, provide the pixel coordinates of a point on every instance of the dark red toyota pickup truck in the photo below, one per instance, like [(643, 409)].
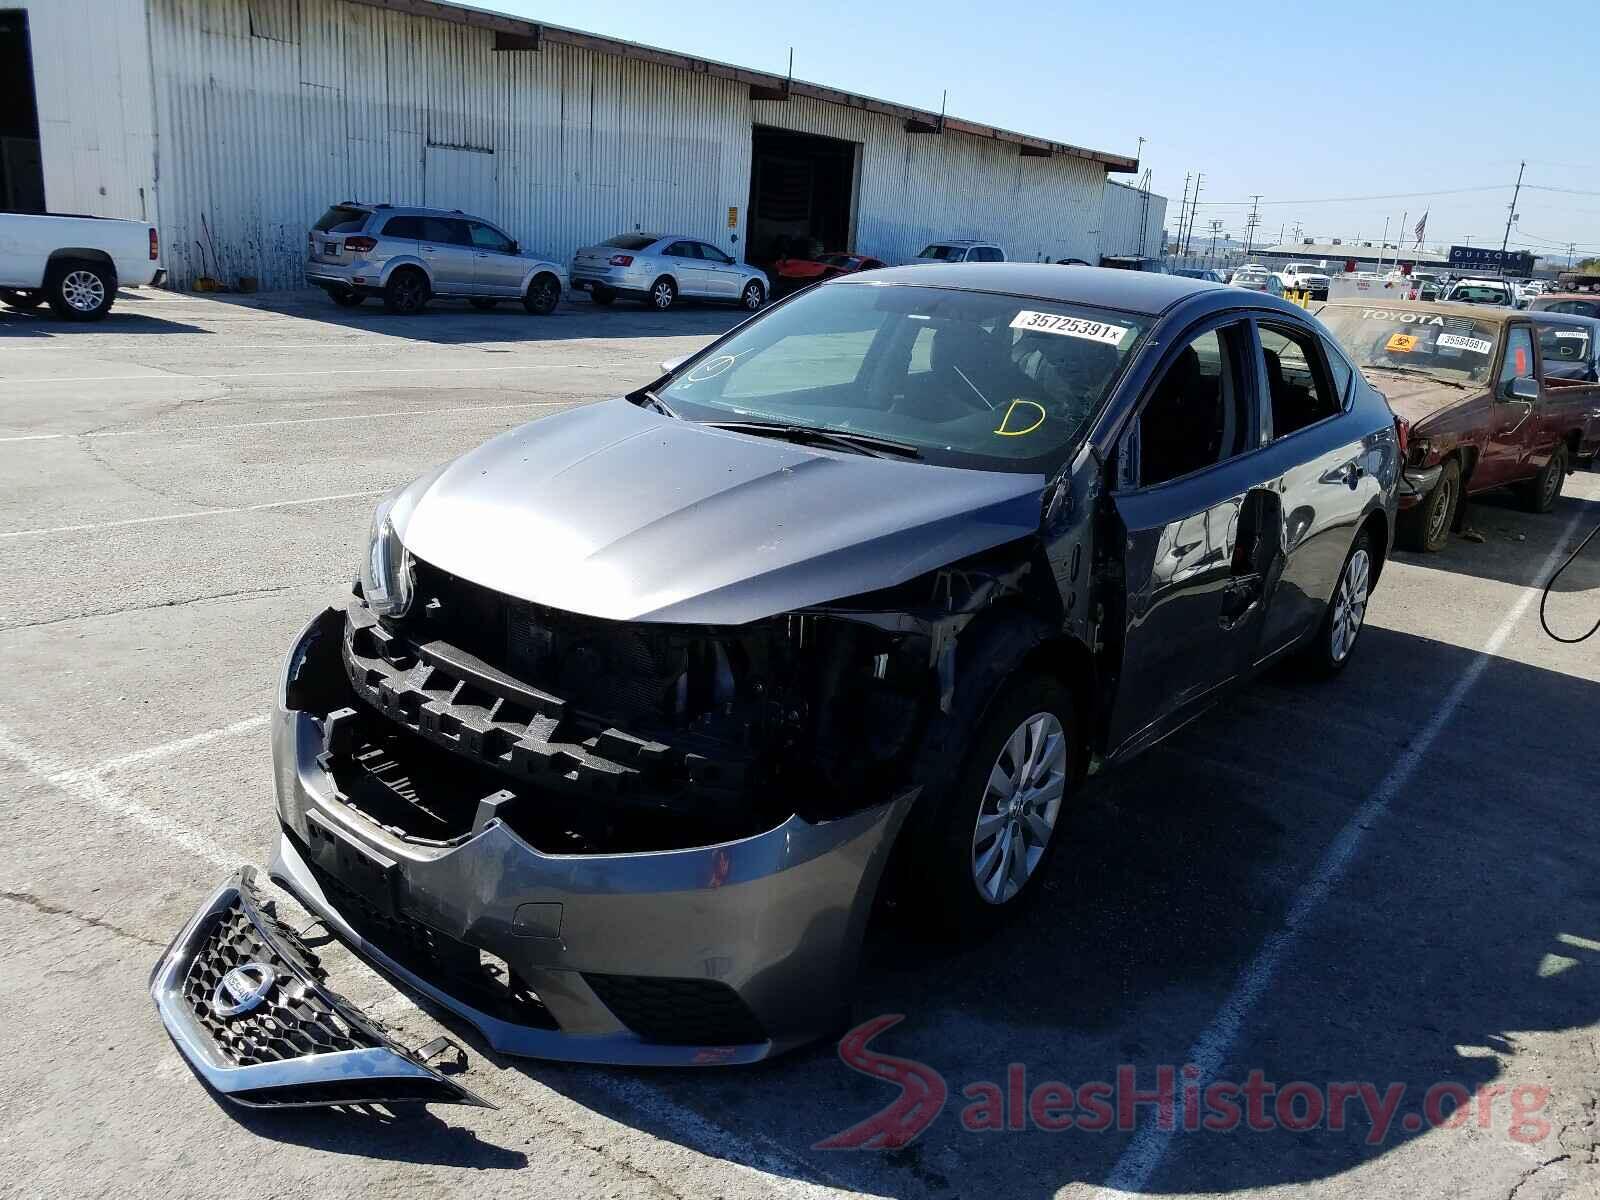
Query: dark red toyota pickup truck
[(1483, 410)]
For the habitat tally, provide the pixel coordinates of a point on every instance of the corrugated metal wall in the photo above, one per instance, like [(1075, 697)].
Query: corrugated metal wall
[(269, 110), (1120, 227), (91, 75)]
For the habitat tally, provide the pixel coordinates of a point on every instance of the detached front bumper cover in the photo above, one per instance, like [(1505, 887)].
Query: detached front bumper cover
[(245, 1003)]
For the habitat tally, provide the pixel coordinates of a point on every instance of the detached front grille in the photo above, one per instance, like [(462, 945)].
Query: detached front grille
[(679, 1012), (291, 1022)]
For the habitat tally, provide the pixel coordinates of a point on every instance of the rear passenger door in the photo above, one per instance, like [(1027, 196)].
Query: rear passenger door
[(1195, 533), (683, 259), (446, 248), (1321, 466)]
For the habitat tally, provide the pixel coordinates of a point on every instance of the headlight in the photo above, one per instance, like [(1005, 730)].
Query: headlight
[(386, 578)]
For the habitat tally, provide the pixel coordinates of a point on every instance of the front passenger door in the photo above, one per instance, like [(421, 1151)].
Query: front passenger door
[(722, 275), (497, 267), (1197, 536)]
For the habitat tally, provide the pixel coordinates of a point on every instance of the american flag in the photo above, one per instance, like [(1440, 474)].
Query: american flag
[(1421, 225)]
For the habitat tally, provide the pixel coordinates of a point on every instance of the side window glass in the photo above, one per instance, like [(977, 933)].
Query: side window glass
[(681, 250), (1300, 393), (712, 254), (444, 232), (1343, 372), (1519, 357), (486, 238), (1196, 415), (402, 227)]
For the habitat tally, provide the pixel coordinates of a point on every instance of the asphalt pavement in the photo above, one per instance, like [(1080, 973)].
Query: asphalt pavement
[(1385, 880)]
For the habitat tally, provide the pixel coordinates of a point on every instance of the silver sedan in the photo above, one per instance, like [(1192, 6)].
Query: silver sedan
[(658, 269)]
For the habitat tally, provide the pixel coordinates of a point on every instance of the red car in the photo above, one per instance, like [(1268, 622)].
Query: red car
[(792, 274)]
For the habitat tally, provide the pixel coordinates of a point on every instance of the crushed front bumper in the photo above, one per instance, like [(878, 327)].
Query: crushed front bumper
[(245, 1002), (724, 953)]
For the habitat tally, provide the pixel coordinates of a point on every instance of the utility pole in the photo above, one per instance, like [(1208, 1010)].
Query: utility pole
[(1194, 208), (1571, 246), (1250, 225), (1216, 228), (1183, 207), (1511, 215)]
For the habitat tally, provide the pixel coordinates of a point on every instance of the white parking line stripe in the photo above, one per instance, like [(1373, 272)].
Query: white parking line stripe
[(168, 749), (105, 796), (1139, 1162), (205, 429), (179, 377), (188, 516)]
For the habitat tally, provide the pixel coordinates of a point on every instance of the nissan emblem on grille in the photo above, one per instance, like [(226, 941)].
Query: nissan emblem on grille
[(242, 989)]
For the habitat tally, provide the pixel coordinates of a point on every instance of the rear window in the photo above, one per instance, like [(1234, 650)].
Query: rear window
[(1576, 308), (629, 241), (340, 219), (1558, 346)]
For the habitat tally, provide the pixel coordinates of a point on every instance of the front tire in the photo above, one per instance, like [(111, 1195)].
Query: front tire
[(406, 292), (81, 291), (1426, 528), (21, 301), (990, 832), (754, 296), (663, 294), (544, 293), (1544, 489), (1346, 615)]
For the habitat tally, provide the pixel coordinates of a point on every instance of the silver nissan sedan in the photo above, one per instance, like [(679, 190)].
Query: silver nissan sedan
[(635, 707)]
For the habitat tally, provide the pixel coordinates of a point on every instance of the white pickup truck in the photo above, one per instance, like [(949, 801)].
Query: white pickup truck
[(74, 263), (1306, 277)]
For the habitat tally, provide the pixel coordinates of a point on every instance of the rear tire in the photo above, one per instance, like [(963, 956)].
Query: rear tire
[(482, 303), (543, 294), (347, 299), (602, 296), (1426, 528), (1346, 616), (663, 294), (21, 301), (1544, 489), (406, 292), (81, 291)]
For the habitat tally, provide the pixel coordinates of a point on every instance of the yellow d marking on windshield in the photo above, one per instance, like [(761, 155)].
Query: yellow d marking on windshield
[(1002, 431)]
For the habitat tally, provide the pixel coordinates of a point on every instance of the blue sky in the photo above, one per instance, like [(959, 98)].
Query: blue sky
[(1300, 103)]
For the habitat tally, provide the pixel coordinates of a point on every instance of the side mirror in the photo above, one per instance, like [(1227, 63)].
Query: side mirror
[(516, 247), (669, 365), (1524, 388)]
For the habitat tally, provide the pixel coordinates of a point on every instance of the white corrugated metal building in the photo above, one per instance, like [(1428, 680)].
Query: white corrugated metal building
[(232, 124)]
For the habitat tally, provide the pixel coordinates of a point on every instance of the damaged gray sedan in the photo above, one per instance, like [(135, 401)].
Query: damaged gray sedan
[(637, 705)]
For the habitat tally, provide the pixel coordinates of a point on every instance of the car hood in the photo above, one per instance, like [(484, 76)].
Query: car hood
[(1417, 399), (622, 513)]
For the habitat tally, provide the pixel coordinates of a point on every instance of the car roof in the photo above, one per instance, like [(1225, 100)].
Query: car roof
[(1476, 312), (1481, 280), (1107, 287), (960, 242), (408, 210)]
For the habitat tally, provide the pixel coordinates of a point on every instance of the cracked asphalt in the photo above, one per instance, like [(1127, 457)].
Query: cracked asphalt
[(1387, 880)]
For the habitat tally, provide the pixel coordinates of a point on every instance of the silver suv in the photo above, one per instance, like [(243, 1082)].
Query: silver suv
[(409, 255)]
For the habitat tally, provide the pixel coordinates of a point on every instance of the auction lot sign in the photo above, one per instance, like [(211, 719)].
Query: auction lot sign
[(1486, 258)]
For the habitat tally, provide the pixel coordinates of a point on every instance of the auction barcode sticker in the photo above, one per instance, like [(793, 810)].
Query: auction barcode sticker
[(1078, 327), (1457, 341)]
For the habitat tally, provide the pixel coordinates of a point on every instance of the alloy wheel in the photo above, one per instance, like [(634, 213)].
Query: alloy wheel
[(1350, 605), (83, 290), (545, 297), (1020, 804), (661, 294), (752, 297)]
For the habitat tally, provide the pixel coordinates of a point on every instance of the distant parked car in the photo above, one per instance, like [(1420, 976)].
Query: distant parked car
[(960, 251), (1199, 273), (1571, 303), (75, 264), (657, 269), (1306, 277), (1482, 291), (408, 256), (1257, 279), (796, 273)]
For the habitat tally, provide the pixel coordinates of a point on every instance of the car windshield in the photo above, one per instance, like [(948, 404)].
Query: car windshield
[(629, 241), (1459, 349), (969, 379), (1480, 293), (945, 252), (834, 260)]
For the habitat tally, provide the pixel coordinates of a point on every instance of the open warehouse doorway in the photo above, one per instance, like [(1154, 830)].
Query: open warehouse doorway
[(21, 169), (802, 195)]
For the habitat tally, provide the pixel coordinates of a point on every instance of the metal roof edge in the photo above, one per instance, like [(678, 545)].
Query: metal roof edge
[(538, 32)]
